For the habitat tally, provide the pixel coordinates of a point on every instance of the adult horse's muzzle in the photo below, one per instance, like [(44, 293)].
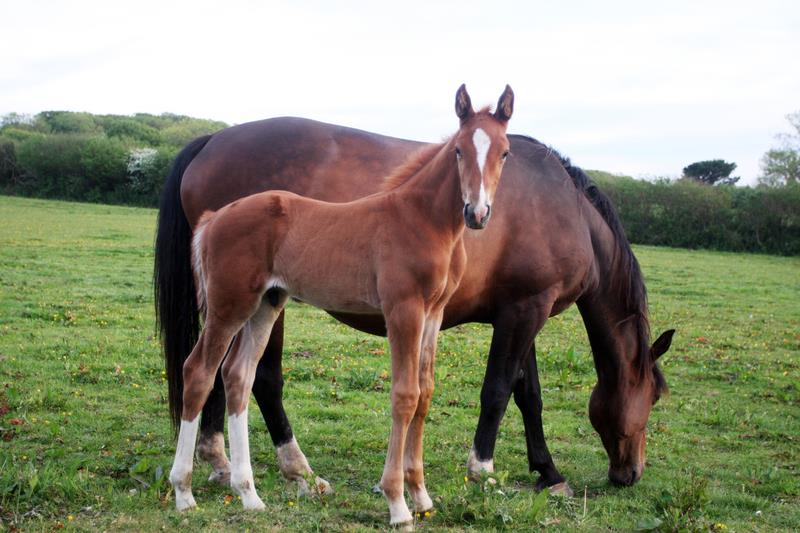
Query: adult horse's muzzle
[(477, 219), (625, 476)]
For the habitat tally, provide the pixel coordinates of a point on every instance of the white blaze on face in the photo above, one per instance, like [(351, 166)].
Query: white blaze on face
[(482, 143)]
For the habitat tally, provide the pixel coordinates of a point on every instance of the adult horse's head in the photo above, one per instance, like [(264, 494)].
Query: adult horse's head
[(619, 409), (481, 148)]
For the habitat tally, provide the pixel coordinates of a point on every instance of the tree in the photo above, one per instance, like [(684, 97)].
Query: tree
[(781, 166), (711, 172)]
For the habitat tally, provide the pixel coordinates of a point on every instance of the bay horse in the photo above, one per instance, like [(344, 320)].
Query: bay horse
[(398, 253), (555, 240)]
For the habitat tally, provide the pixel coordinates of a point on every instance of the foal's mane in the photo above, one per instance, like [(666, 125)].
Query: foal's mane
[(627, 281), (410, 166)]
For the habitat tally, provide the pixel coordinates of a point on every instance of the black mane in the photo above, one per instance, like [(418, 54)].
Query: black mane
[(628, 282)]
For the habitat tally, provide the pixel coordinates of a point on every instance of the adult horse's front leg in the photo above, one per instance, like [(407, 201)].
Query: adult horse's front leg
[(514, 332), (528, 397), (413, 465), (404, 325)]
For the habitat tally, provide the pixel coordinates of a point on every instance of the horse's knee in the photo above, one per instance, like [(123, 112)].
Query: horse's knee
[(405, 402), (495, 398)]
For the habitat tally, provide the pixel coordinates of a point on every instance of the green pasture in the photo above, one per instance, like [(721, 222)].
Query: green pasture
[(85, 442)]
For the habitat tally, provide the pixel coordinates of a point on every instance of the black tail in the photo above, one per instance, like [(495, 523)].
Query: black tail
[(177, 317)]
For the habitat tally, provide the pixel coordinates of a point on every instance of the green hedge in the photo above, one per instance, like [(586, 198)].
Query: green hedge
[(686, 214), (125, 159), (93, 158)]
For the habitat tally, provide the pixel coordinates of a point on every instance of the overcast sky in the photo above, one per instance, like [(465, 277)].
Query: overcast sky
[(640, 88)]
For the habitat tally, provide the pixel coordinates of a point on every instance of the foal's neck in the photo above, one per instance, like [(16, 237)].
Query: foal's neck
[(434, 192)]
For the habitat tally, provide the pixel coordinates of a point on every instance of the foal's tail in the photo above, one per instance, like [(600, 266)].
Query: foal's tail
[(177, 316)]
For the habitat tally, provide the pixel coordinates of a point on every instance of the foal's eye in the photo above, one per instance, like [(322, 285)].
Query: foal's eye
[(505, 155), (458, 153)]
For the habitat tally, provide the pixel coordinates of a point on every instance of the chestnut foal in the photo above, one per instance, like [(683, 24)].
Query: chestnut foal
[(399, 253)]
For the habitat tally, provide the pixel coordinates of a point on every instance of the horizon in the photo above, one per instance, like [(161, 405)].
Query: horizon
[(621, 88)]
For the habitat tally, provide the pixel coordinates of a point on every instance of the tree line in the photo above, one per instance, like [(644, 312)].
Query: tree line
[(125, 160), (94, 158)]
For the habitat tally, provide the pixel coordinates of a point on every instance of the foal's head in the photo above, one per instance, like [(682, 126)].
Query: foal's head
[(481, 148), (619, 412)]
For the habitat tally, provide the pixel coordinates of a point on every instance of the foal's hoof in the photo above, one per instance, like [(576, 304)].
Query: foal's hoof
[(403, 526), (222, 477), (185, 503), (253, 503)]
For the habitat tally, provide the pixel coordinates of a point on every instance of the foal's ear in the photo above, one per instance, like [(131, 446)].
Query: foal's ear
[(662, 344), (463, 104), (505, 105)]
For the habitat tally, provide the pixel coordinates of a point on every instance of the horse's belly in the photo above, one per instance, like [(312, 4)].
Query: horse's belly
[(336, 300)]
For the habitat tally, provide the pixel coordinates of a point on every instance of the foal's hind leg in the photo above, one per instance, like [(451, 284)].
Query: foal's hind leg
[(198, 378), (412, 461), (238, 373)]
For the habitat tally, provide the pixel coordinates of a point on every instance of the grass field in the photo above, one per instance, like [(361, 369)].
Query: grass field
[(85, 440)]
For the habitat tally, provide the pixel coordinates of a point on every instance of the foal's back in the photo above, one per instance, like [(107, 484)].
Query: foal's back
[(330, 255)]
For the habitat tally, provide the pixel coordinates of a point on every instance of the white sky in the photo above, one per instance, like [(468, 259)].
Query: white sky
[(636, 87)]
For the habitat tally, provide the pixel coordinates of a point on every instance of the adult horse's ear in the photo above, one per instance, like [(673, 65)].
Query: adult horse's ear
[(505, 105), (662, 344), (463, 104)]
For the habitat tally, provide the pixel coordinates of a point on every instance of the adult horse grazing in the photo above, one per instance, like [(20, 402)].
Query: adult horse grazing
[(554, 240), (399, 253)]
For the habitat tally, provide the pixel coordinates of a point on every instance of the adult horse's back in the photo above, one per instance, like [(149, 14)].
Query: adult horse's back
[(553, 241)]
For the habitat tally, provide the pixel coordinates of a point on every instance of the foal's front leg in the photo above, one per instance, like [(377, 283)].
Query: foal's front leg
[(413, 464), (238, 373), (404, 324)]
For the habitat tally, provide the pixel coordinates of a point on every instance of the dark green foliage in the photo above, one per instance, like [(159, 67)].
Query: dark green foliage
[(712, 172), (96, 158), (687, 214)]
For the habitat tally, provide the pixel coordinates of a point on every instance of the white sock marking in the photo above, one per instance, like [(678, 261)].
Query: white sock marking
[(241, 470), (475, 466), (181, 474)]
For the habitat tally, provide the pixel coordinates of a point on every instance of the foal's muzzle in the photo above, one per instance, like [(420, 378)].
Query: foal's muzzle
[(476, 220)]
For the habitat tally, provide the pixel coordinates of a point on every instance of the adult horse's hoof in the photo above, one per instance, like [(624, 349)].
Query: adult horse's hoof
[(320, 488), (403, 526), (561, 489)]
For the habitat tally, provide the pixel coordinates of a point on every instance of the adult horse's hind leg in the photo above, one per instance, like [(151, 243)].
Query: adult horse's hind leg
[(268, 390), (198, 378), (412, 461), (238, 373), (211, 446), (528, 397)]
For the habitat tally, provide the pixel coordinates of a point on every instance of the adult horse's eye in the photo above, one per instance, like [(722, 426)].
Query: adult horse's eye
[(458, 153), (505, 155)]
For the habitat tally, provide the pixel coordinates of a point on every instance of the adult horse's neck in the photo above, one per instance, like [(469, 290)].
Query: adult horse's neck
[(615, 310), (433, 191)]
